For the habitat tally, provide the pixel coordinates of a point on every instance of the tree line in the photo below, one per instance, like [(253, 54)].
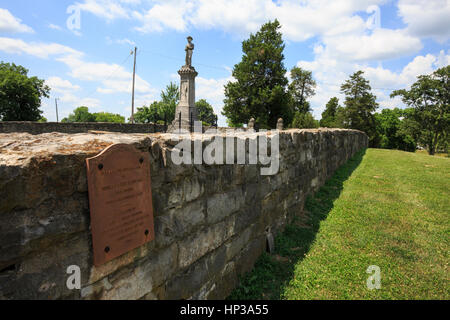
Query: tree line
[(261, 90), (21, 97), (163, 111)]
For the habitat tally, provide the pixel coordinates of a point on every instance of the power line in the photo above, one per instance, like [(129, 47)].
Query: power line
[(181, 60), (109, 76), (339, 84)]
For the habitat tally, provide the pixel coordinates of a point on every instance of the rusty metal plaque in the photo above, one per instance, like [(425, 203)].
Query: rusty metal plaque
[(120, 201)]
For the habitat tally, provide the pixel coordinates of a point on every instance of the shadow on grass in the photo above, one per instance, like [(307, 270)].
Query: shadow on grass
[(273, 272)]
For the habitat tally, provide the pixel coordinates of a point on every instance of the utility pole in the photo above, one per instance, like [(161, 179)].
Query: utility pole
[(132, 93), (56, 104)]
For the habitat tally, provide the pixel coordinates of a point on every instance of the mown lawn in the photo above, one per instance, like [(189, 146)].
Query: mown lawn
[(385, 208)]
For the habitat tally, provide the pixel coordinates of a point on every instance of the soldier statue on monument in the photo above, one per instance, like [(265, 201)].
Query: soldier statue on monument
[(186, 113), (189, 50)]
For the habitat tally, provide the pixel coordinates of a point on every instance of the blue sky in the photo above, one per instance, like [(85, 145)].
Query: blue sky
[(391, 41)]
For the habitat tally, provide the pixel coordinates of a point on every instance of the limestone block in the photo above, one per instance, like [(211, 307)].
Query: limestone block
[(224, 204)]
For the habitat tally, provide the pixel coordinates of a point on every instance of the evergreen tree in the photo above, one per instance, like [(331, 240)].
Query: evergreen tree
[(329, 114), (301, 88), (304, 120), (360, 104), (260, 89), (206, 113)]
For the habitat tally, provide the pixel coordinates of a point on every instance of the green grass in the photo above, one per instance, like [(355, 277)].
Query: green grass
[(384, 207)]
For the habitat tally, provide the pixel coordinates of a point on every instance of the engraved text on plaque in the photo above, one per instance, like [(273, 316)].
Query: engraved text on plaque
[(120, 201)]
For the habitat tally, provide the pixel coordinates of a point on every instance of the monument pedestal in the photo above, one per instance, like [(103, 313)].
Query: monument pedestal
[(186, 113)]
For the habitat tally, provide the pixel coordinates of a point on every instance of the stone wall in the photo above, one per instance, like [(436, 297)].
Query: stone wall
[(210, 220), (85, 127), (77, 127)]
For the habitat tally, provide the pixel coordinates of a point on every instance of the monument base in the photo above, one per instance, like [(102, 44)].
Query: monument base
[(186, 113)]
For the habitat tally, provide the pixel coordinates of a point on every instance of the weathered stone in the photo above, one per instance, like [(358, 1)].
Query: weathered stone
[(185, 284), (210, 220), (237, 243), (192, 188), (194, 247), (246, 259), (223, 205)]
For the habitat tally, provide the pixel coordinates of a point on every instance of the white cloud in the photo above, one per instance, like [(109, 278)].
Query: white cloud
[(330, 73), (124, 41), (344, 33), (107, 9), (9, 23), (379, 45), (70, 101), (54, 26), (212, 90), (114, 78), (60, 85), (300, 20), (37, 49), (165, 15), (426, 18)]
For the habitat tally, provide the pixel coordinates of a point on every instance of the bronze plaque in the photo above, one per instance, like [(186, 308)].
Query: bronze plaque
[(120, 201)]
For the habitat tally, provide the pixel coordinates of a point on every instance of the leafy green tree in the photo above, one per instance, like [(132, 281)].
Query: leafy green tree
[(108, 117), (329, 114), (301, 88), (429, 118), (20, 95), (360, 104), (389, 125), (160, 111), (206, 112), (260, 89), (148, 114), (169, 101), (80, 114), (304, 120)]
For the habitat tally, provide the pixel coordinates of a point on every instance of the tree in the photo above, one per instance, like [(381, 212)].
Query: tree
[(80, 114), (304, 120), (389, 126), (169, 102), (301, 88), (20, 95), (329, 114), (360, 104), (429, 98), (206, 112), (260, 89), (108, 117), (148, 114), (160, 111)]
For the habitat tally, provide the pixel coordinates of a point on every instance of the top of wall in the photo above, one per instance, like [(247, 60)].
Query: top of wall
[(77, 127), (19, 147)]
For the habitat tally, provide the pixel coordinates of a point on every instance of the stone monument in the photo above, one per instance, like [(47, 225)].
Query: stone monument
[(280, 125), (186, 113)]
